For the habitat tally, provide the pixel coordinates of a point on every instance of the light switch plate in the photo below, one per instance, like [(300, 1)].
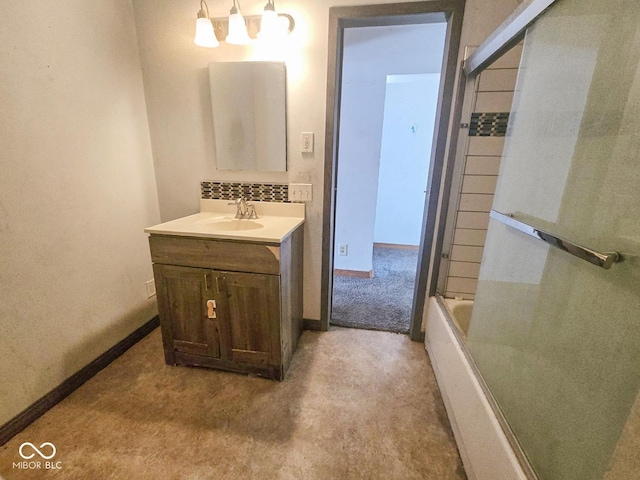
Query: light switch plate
[(307, 142), (300, 192), (151, 288)]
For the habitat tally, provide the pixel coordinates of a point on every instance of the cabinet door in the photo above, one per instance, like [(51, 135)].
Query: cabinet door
[(183, 293), (250, 317)]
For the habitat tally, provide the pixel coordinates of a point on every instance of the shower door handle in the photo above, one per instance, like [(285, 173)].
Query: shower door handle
[(603, 260)]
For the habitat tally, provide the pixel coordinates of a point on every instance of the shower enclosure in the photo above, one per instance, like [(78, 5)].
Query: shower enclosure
[(555, 327)]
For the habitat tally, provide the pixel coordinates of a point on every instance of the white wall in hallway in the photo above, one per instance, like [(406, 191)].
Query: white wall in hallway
[(407, 134)]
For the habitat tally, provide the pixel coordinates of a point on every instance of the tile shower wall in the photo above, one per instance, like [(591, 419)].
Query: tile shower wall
[(257, 192), (487, 128)]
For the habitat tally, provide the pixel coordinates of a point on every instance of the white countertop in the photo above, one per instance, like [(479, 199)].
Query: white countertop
[(275, 222)]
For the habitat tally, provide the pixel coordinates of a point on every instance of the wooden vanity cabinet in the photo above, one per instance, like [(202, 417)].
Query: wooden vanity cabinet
[(232, 305)]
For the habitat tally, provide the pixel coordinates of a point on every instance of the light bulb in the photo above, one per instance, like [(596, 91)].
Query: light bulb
[(237, 29), (269, 25), (205, 36)]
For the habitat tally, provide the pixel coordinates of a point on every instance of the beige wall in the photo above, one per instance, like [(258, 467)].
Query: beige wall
[(76, 190), (176, 88)]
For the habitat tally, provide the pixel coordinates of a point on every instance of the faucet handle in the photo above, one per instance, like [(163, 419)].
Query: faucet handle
[(251, 211)]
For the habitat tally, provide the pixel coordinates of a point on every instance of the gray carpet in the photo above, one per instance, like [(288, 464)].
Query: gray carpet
[(382, 302)]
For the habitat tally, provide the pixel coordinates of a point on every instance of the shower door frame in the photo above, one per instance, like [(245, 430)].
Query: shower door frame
[(505, 36)]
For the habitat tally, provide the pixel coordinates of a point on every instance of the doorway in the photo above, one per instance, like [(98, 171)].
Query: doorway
[(344, 21), (389, 94)]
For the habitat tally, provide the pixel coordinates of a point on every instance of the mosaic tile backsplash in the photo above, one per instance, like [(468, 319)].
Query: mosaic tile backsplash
[(488, 124), (257, 192)]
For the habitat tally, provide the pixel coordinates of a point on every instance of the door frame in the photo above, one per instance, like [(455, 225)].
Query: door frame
[(385, 15)]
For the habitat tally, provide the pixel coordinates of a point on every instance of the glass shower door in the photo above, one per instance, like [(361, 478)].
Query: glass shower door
[(556, 338)]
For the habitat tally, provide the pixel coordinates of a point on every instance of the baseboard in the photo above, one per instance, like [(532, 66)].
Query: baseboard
[(397, 246), (353, 273), (487, 451), (309, 324), (55, 396)]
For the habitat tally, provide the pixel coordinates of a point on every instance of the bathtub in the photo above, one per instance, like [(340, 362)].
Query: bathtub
[(460, 312), (485, 448)]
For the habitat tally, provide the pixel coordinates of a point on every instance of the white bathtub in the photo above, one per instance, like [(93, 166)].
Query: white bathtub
[(484, 447), (460, 311)]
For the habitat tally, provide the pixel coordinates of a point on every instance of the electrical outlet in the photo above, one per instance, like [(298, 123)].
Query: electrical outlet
[(151, 288), (307, 142), (343, 249), (300, 192)]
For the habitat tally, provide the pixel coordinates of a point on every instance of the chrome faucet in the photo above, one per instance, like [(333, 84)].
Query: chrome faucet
[(244, 209)]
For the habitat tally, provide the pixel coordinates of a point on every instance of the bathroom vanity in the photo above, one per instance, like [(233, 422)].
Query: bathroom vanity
[(230, 290)]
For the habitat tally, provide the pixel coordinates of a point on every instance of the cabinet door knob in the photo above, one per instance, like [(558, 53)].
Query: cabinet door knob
[(211, 308)]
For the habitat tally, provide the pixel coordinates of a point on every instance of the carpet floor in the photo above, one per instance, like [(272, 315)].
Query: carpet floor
[(382, 302), (355, 404)]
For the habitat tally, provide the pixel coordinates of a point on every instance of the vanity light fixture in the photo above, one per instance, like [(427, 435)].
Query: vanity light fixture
[(239, 30), (205, 36)]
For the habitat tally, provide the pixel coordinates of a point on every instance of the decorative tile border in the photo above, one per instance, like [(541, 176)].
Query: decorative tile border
[(257, 192), (488, 124)]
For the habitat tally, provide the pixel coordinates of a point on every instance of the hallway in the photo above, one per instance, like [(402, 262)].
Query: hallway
[(382, 302), (355, 404)]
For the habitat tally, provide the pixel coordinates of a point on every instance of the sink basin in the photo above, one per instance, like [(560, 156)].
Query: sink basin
[(226, 224)]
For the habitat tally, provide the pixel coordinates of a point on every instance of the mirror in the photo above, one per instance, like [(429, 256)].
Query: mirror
[(249, 115)]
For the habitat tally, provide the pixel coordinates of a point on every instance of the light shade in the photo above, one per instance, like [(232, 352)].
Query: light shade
[(205, 36), (270, 28), (238, 34)]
